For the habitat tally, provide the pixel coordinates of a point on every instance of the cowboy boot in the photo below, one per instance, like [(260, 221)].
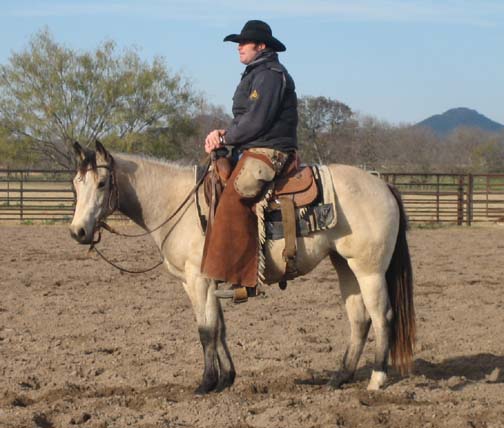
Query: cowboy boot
[(238, 293)]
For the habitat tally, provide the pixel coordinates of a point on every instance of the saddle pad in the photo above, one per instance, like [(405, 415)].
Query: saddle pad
[(328, 192)]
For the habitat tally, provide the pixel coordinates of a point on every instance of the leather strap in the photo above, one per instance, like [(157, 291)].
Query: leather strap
[(289, 226), (261, 157)]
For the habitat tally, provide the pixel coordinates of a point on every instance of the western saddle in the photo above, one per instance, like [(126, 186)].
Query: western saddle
[(295, 187)]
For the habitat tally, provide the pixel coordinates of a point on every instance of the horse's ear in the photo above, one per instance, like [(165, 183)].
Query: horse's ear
[(102, 156), (80, 155)]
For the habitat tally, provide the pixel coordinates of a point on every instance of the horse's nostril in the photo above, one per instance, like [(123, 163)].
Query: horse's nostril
[(79, 234)]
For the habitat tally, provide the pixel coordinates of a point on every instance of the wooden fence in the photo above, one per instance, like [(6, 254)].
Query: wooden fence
[(47, 196)]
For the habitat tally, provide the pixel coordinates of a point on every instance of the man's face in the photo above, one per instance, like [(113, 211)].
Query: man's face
[(249, 50)]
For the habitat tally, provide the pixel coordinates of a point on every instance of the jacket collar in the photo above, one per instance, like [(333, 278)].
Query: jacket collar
[(265, 56)]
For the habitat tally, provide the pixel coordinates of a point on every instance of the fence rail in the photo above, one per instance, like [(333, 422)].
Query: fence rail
[(47, 196), (451, 198), (37, 195)]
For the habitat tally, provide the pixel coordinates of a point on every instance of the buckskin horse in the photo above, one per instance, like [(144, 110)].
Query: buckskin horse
[(367, 247)]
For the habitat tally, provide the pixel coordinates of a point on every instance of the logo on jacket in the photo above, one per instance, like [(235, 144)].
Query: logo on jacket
[(254, 95)]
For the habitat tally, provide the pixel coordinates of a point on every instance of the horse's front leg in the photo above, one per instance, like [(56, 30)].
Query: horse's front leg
[(219, 371), (227, 371)]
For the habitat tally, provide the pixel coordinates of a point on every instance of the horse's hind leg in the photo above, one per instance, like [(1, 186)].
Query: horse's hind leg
[(375, 296), (358, 317)]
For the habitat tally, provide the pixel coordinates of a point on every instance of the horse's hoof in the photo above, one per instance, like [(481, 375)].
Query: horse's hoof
[(204, 389), (377, 381), (201, 390), (225, 382)]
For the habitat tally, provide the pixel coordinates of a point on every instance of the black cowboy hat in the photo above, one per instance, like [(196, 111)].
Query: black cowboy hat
[(257, 31)]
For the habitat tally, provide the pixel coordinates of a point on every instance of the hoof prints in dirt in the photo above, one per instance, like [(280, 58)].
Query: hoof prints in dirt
[(82, 340), (123, 396), (42, 421)]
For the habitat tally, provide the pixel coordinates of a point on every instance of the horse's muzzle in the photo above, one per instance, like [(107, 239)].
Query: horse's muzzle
[(80, 234)]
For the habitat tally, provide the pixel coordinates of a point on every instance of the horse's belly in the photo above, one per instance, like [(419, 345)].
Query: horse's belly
[(310, 251)]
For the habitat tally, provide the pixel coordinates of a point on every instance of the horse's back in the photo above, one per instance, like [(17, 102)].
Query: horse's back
[(356, 183)]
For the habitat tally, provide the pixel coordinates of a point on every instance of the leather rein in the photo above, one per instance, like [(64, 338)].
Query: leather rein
[(113, 205)]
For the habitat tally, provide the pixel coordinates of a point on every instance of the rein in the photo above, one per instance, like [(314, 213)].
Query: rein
[(111, 263), (114, 190)]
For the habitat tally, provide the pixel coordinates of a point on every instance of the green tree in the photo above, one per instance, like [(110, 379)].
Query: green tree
[(14, 152), (51, 95)]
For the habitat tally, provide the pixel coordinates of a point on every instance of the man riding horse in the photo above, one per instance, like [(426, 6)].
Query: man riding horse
[(367, 245), (263, 139)]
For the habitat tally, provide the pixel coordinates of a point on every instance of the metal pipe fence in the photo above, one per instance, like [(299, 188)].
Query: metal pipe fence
[(451, 198), (47, 196), (37, 195)]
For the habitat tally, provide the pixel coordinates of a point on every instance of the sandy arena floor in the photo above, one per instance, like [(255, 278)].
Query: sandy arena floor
[(84, 345)]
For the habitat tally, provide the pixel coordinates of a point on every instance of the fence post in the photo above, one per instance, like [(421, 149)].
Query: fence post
[(487, 193), (437, 198), (8, 187), (21, 214), (470, 197), (460, 201)]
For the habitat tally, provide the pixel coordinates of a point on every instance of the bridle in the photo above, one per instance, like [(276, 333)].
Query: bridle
[(113, 205), (113, 197)]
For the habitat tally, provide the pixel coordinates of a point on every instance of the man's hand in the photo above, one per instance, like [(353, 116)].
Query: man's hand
[(213, 140)]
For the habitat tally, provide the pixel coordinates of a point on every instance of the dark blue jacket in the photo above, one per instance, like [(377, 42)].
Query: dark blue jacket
[(264, 107)]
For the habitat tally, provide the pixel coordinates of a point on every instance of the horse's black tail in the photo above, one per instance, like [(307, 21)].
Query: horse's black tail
[(400, 288)]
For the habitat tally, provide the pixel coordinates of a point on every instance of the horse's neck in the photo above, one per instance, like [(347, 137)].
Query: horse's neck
[(148, 190)]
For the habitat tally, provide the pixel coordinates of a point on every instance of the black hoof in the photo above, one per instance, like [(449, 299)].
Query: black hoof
[(203, 390), (225, 382)]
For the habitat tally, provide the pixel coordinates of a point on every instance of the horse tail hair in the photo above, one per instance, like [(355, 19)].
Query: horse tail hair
[(400, 289)]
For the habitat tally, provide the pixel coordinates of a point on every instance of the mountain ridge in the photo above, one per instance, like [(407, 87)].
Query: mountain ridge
[(445, 123)]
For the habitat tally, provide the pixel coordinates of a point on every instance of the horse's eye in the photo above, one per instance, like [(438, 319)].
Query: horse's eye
[(101, 184)]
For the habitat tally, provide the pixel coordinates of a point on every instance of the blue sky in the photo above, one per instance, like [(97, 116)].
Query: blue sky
[(399, 61)]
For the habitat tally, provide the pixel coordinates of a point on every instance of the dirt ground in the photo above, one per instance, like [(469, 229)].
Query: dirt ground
[(84, 345)]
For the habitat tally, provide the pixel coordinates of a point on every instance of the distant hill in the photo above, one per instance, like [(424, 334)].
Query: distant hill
[(443, 124)]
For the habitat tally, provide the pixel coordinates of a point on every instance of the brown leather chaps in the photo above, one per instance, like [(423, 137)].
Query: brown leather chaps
[(231, 246)]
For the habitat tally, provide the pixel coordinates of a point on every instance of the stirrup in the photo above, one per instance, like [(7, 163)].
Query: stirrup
[(238, 293)]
